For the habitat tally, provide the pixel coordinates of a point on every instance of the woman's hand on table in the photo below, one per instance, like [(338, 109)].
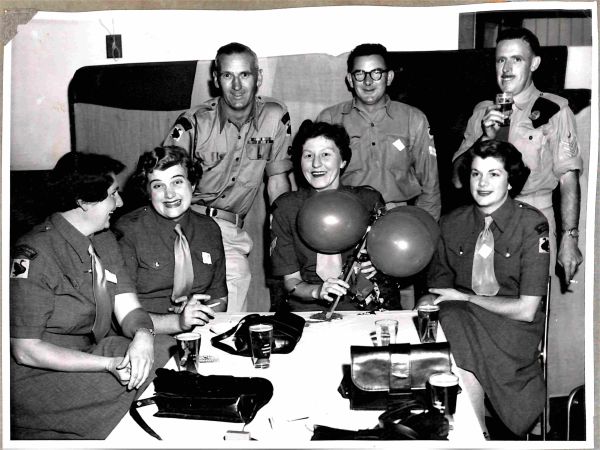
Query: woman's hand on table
[(139, 357), (195, 313), (333, 286), (122, 374), (445, 294)]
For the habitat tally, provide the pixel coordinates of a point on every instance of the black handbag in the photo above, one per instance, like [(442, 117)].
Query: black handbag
[(408, 421), (287, 331), (380, 377), (188, 395)]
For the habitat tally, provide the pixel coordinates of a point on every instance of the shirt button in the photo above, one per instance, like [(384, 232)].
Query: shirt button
[(239, 137), (373, 143), (233, 179), (372, 125), (237, 159), (530, 138), (208, 169), (222, 196)]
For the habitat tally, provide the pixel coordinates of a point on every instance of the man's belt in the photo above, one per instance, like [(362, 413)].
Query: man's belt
[(234, 218)]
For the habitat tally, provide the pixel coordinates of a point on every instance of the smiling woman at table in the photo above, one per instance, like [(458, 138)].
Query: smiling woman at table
[(494, 322), (321, 151), (71, 377), (173, 253)]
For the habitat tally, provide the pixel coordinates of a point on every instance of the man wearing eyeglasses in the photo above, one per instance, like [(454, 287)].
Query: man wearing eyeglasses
[(392, 149), (238, 137)]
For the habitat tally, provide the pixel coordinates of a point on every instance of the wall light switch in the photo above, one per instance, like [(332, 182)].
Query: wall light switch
[(114, 48)]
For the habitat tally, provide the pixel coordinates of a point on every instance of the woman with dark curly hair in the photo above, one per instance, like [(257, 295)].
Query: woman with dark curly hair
[(320, 152), (174, 287), (489, 275), (71, 377)]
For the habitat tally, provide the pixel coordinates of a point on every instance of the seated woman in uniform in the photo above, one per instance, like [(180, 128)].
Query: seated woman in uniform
[(489, 275), (320, 151), (69, 379), (174, 255)]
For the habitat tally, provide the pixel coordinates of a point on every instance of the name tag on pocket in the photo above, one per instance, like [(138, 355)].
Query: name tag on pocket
[(206, 259), (399, 145), (110, 276)]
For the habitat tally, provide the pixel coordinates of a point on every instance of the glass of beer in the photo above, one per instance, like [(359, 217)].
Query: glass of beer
[(188, 349), (505, 101), (386, 331), (427, 317), (261, 341), (443, 390)]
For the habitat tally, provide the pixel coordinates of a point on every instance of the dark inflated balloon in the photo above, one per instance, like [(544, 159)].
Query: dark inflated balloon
[(400, 244), (427, 220), (332, 221)]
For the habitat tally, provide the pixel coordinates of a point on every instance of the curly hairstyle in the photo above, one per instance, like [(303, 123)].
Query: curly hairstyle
[(79, 176), (162, 158), (308, 130), (367, 50), (517, 171)]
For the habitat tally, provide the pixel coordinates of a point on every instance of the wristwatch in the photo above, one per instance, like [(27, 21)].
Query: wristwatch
[(572, 232)]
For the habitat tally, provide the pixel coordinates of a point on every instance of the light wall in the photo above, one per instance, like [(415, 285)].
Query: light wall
[(48, 50)]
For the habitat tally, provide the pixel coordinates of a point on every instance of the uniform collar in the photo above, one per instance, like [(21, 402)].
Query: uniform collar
[(168, 225), (501, 216), (523, 98), (256, 108), (74, 237), (348, 107)]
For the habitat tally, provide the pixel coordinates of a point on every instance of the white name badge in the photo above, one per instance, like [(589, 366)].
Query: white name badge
[(398, 144), (485, 251), (110, 276), (206, 259)]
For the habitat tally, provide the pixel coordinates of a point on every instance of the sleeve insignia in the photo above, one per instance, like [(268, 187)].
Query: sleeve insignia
[(286, 118), (185, 123), (19, 268), (544, 245), (176, 132), (542, 111), (542, 228), (25, 251), (535, 115)]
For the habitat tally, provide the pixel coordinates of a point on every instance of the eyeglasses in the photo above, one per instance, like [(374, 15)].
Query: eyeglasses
[(375, 74)]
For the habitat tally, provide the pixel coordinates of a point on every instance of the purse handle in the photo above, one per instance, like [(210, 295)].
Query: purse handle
[(216, 341), (135, 415)]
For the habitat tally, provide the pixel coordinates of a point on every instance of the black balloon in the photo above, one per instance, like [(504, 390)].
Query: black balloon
[(401, 243), (332, 221)]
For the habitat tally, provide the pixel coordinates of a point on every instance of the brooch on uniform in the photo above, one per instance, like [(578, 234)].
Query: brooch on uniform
[(156, 264), (535, 115)]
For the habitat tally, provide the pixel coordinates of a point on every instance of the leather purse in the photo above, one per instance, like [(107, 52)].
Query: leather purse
[(379, 377), (408, 421), (287, 331), (188, 395)]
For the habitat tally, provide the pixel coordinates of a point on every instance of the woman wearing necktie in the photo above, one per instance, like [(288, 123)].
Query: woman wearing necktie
[(320, 152), (488, 276), (72, 377), (174, 255)]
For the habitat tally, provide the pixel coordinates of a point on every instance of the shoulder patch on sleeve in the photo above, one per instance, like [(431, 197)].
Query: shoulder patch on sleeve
[(544, 245), (542, 228), (19, 268), (542, 111), (25, 251)]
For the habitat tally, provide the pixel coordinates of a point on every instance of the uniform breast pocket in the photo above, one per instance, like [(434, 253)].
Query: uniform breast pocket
[(259, 148), (210, 160), (153, 274), (530, 145), (397, 152)]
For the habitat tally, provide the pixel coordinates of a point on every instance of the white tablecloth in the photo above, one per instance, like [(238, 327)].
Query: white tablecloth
[(305, 392)]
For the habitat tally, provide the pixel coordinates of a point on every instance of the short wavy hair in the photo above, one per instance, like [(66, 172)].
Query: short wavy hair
[(162, 158), (234, 48), (517, 171), (79, 176), (368, 50), (520, 33), (308, 130)]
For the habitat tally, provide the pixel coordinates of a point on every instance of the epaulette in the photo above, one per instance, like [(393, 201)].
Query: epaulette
[(542, 111)]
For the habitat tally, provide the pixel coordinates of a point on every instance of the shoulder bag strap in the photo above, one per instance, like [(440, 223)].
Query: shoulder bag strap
[(216, 341), (138, 418)]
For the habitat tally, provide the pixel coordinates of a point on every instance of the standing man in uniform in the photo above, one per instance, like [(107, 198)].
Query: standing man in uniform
[(542, 128), (238, 137), (392, 149)]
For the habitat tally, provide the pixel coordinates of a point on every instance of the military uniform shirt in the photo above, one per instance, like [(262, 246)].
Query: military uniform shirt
[(548, 144), (51, 293), (521, 249), (395, 155), (147, 241), (234, 160)]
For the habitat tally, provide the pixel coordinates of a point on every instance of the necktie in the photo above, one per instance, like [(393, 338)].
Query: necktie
[(183, 275), (101, 296), (329, 266), (483, 279)]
